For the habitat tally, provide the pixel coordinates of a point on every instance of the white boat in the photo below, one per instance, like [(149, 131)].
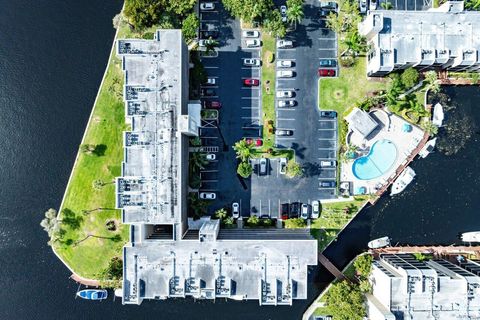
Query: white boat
[(427, 148), (402, 181), (473, 236), (379, 243), (438, 115)]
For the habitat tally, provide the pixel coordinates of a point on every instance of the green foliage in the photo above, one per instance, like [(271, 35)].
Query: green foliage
[(387, 5), (87, 148), (221, 214), (345, 301), (429, 127), (196, 142), (294, 169), (244, 169), (475, 76), (365, 286), (409, 77), (472, 5), (253, 220), (355, 43), (228, 221), (267, 222), (294, 11), (347, 19), (243, 149), (347, 61), (198, 161), (198, 205), (432, 78), (363, 265), (273, 23), (114, 271), (422, 257), (271, 57), (189, 27), (180, 7), (295, 223), (248, 10), (142, 14)]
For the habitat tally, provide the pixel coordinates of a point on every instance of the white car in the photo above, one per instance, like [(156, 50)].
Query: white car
[(283, 44), (208, 195), (286, 103), (284, 94), (304, 214), (284, 63), (373, 4), (251, 62), (235, 210), (283, 165), (283, 12), (207, 6), (315, 209), (251, 34), (363, 6), (211, 81), (328, 164), (205, 42), (211, 157), (284, 74), (252, 43)]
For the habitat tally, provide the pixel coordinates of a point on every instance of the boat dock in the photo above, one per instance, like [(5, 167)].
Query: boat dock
[(330, 267), (436, 251), (84, 281)]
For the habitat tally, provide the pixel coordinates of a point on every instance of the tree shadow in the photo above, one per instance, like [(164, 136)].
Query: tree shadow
[(299, 151), (100, 150), (311, 169), (70, 219)]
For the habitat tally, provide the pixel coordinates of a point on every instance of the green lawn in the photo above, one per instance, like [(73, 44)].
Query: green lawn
[(333, 218), (89, 257), (268, 98)]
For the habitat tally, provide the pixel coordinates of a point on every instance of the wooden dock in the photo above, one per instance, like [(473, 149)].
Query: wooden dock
[(330, 267), (84, 281)]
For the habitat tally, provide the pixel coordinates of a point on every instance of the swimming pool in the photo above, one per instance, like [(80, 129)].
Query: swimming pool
[(379, 160)]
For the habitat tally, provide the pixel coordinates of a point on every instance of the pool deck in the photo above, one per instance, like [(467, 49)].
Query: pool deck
[(408, 144)]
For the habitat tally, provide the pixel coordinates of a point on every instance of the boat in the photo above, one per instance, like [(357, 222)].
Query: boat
[(379, 243), (427, 148), (93, 294), (473, 236), (438, 115), (402, 181)]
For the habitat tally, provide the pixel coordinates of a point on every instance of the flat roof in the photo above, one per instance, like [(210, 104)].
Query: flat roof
[(361, 122)]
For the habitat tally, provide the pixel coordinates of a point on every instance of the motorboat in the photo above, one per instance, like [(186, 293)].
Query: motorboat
[(403, 180), (93, 294), (438, 115), (473, 236), (379, 243), (427, 148)]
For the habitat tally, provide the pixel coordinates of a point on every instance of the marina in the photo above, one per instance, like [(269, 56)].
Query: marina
[(402, 181)]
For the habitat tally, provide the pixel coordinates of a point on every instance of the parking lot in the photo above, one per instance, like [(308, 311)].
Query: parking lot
[(314, 138)]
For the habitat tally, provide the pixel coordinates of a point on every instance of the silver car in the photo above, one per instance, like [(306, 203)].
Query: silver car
[(263, 166), (284, 74), (286, 103), (235, 210), (315, 209), (284, 93), (251, 62)]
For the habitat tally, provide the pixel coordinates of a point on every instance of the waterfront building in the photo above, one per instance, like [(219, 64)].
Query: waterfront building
[(405, 288), (168, 254), (441, 38)]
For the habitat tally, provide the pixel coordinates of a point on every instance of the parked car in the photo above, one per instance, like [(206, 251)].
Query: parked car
[(212, 105), (252, 43), (251, 62), (209, 34), (284, 74), (211, 81), (332, 63), (329, 5), (205, 42), (283, 132), (264, 216), (294, 209), (327, 184), (207, 92), (257, 142), (286, 103), (284, 93), (283, 166), (305, 211), (373, 4), (285, 211), (315, 209), (251, 82), (235, 210), (284, 63), (323, 13), (211, 157), (328, 114), (263, 166), (284, 44), (328, 164), (326, 72), (283, 12), (363, 6), (207, 6), (251, 34), (208, 195)]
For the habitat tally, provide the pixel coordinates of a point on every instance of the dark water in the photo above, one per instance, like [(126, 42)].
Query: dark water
[(52, 57)]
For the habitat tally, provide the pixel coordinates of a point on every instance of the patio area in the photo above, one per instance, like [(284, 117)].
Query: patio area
[(379, 145)]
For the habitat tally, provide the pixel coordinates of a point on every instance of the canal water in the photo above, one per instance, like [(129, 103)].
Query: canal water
[(52, 57)]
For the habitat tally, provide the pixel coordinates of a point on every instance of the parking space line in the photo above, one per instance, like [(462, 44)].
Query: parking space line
[(250, 107), (211, 68), (206, 171), (287, 109), (287, 79), (249, 117), (250, 68), (327, 139), (331, 149), (285, 138), (327, 49), (260, 207), (248, 98), (286, 119), (334, 38)]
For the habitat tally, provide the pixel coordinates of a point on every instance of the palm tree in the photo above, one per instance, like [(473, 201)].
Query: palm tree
[(387, 5), (472, 4), (355, 43), (210, 45), (432, 79), (243, 149), (295, 14), (198, 206), (245, 169), (221, 214), (98, 184), (198, 160), (429, 127)]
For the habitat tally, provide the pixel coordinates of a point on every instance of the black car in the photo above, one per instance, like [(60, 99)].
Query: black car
[(207, 92), (328, 114), (264, 216), (328, 63), (285, 211), (209, 34), (327, 184), (294, 209)]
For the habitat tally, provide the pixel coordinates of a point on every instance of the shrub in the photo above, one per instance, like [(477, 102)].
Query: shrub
[(347, 61), (253, 220), (295, 223), (294, 169), (345, 301), (244, 169), (363, 265), (409, 77)]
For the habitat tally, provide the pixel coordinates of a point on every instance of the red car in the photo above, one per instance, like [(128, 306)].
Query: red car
[(212, 105), (326, 72), (258, 142), (251, 82)]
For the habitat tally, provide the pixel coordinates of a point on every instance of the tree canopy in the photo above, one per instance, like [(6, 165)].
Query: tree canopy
[(244, 169), (345, 301), (409, 77), (249, 10), (295, 223), (363, 265), (189, 27)]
